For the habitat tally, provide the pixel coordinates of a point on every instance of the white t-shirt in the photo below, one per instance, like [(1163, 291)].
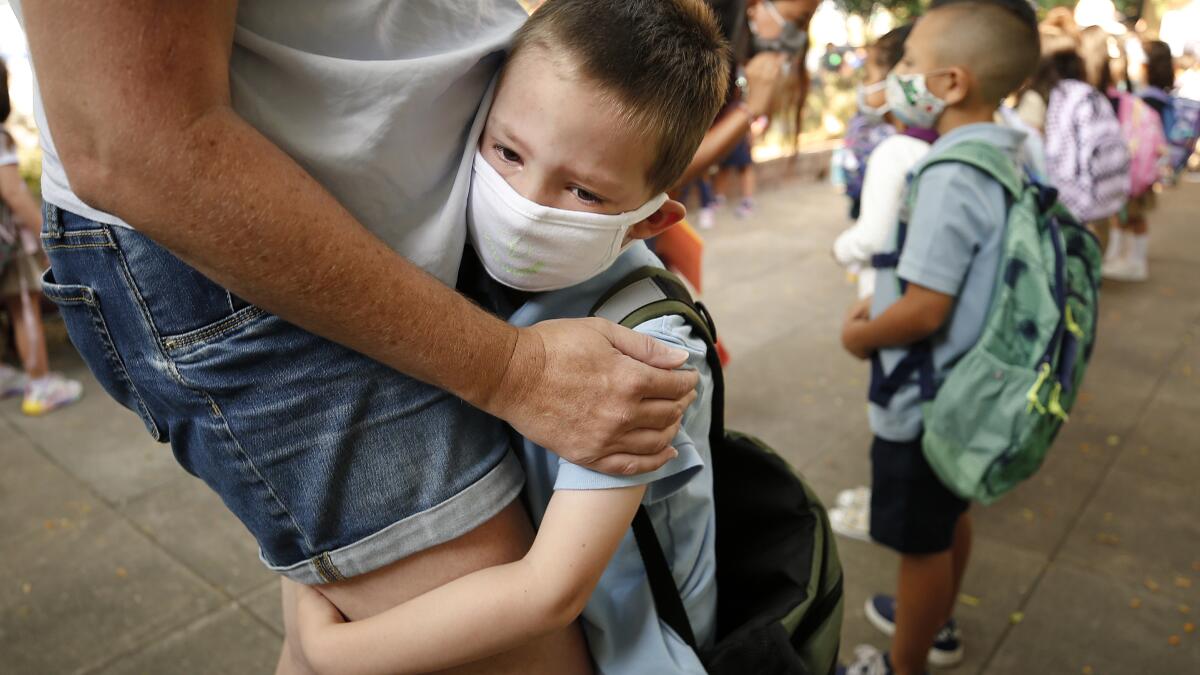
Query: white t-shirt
[(374, 98), (883, 191)]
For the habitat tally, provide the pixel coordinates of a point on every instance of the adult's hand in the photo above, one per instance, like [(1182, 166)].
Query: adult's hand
[(596, 394), (762, 82), (146, 131)]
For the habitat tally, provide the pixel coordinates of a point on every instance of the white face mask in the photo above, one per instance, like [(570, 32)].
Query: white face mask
[(910, 100), (876, 113), (531, 247)]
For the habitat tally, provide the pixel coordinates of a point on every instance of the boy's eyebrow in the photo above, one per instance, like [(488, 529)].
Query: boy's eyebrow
[(507, 132)]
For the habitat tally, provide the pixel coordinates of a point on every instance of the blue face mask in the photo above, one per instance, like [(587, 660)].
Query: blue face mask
[(911, 101)]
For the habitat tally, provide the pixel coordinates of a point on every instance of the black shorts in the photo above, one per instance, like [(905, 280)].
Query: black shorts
[(911, 510)]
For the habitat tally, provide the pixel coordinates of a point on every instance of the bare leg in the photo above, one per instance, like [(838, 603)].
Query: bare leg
[(26, 314), (504, 538), (748, 181), (721, 183), (926, 590), (960, 552)]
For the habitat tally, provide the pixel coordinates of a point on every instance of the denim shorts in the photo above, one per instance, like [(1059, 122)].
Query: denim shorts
[(337, 464)]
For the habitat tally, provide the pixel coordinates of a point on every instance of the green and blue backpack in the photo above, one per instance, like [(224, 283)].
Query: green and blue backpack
[(989, 425), (779, 578)]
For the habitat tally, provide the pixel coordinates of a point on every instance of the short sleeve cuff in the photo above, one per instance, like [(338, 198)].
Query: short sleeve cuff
[(662, 482), (933, 278)]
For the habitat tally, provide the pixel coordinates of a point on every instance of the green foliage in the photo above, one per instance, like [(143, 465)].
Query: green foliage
[(905, 10)]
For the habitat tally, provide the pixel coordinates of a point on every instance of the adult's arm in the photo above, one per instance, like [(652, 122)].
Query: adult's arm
[(136, 93), (15, 194), (762, 73)]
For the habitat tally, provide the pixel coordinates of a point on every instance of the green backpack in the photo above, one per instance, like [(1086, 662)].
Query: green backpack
[(779, 578), (989, 425)]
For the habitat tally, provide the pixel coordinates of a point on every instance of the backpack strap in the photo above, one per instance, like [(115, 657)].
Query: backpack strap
[(919, 359), (645, 294)]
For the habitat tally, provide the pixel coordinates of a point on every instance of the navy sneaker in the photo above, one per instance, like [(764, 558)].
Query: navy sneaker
[(947, 647)]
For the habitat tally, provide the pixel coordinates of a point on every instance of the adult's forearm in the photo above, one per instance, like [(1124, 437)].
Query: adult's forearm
[(226, 200), (718, 142)]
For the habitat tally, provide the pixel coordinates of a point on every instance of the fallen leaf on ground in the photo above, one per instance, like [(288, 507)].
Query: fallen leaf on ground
[(1108, 517), (1087, 670), (1185, 609), (968, 600), (1016, 618), (122, 573), (1108, 539), (1189, 627), (1151, 584), (1174, 640), (1196, 566), (26, 588), (1114, 440), (1182, 582), (1027, 514), (1135, 603)]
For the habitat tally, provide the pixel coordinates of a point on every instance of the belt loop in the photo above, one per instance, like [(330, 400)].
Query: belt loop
[(53, 220)]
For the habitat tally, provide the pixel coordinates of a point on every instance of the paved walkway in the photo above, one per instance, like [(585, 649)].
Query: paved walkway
[(118, 562)]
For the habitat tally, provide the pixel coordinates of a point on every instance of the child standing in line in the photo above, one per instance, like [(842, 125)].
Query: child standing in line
[(877, 208), (1129, 241), (572, 164), (959, 63), (887, 167)]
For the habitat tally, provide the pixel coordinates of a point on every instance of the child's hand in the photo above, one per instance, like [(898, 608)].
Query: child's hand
[(856, 318), (315, 617)]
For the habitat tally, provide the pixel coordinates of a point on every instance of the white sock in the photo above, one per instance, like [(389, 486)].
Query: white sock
[(1116, 238)]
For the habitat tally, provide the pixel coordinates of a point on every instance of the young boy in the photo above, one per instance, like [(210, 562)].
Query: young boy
[(959, 62), (583, 136)]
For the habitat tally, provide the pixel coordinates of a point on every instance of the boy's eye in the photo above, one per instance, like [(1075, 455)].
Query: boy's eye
[(507, 154), (585, 196)]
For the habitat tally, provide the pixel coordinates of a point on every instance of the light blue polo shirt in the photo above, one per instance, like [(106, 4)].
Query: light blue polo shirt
[(955, 238), (622, 626)]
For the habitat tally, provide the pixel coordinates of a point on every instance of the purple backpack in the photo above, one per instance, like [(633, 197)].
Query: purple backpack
[(1086, 154)]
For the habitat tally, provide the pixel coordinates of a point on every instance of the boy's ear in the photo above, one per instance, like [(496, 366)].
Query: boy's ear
[(667, 215), (959, 85)]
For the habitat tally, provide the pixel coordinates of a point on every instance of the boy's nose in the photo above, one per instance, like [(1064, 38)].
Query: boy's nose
[(532, 186)]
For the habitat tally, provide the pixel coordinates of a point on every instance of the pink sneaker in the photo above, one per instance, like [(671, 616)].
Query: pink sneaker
[(50, 393)]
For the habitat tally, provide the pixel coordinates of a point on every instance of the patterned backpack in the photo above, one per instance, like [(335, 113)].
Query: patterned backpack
[(1181, 124), (1143, 132), (1086, 154), (989, 425)]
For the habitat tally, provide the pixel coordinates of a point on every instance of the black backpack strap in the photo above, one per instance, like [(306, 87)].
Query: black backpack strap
[(645, 294), (662, 584)]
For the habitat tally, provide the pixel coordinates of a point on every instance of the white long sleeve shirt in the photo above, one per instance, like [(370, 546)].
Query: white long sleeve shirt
[(883, 191)]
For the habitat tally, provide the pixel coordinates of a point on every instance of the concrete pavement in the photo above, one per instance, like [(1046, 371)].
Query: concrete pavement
[(119, 562)]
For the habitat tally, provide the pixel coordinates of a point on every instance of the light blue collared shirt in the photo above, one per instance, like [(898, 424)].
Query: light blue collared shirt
[(622, 626)]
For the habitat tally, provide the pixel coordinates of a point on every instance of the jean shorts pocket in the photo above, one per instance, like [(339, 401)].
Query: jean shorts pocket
[(80, 309), (214, 331)]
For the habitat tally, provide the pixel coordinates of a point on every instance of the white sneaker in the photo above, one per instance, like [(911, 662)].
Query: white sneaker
[(49, 393), (12, 381), (708, 218), (1125, 269)]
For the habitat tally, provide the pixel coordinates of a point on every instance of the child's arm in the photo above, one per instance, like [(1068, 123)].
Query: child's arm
[(919, 313), (486, 612), (882, 193)]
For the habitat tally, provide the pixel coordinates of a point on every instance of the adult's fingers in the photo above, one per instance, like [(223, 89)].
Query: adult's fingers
[(672, 385), (658, 413), (644, 348), (623, 464)]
